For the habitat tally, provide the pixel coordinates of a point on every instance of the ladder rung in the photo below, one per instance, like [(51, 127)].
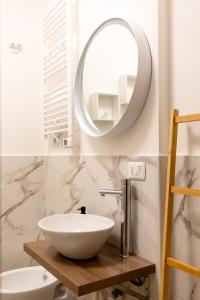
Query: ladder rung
[(185, 191), (183, 267), (187, 118)]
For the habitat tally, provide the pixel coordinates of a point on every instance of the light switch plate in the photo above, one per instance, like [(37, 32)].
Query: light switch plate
[(137, 170)]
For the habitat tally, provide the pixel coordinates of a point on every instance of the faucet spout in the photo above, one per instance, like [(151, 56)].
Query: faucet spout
[(125, 195), (104, 192)]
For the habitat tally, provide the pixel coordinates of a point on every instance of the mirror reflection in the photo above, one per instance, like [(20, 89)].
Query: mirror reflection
[(109, 75)]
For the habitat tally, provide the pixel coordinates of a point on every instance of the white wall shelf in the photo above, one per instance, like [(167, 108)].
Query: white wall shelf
[(104, 107), (126, 86)]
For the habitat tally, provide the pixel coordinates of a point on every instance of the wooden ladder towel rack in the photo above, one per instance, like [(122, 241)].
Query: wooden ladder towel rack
[(171, 189)]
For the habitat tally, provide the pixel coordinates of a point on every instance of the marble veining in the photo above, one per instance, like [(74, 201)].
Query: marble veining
[(22, 206), (27, 189), (190, 178), (34, 187), (186, 230)]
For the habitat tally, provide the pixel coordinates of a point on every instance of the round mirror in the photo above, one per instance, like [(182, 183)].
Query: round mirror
[(113, 78)]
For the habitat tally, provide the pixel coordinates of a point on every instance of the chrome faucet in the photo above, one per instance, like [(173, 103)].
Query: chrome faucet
[(125, 195)]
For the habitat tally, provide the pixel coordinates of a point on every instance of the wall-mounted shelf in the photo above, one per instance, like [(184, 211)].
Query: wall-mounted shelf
[(126, 86), (87, 276), (104, 107)]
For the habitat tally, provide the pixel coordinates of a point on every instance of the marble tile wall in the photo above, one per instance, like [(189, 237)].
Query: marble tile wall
[(186, 230), (22, 205), (33, 187), (186, 226)]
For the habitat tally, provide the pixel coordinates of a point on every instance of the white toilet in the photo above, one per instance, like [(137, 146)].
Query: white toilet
[(32, 283)]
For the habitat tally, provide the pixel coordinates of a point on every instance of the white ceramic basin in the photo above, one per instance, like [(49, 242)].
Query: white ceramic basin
[(27, 284), (76, 236)]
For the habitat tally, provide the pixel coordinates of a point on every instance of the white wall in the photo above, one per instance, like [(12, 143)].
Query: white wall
[(21, 86), (174, 44), (185, 69), (142, 138), (184, 73), (21, 120)]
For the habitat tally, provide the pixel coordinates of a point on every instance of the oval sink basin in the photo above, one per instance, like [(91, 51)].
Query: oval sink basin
[(76, 236)]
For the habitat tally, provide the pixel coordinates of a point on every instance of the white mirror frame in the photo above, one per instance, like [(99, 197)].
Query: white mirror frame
[(140, 91)]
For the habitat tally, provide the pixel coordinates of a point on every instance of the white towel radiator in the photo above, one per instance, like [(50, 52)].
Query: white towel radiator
[(60, 46)]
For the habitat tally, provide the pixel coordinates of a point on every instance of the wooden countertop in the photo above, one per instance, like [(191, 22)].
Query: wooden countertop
[(87, 276)]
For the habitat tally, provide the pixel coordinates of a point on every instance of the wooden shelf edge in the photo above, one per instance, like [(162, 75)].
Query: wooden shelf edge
[(109, 282), (84, 277)]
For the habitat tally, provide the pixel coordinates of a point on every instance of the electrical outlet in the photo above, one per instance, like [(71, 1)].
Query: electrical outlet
[(137, 170)]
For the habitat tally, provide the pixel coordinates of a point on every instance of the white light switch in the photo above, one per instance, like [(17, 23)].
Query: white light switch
[(137, 170)]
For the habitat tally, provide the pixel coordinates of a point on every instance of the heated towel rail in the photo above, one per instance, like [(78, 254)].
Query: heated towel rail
[(59, 26)]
